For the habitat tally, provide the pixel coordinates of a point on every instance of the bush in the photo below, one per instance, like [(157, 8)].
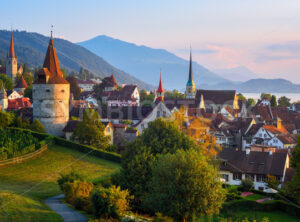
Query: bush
[(274, 205), (110, 202), (247, 185), (232, 196), (76, 189), (160, 218), (83, 203), (88, 149), (70, 177)]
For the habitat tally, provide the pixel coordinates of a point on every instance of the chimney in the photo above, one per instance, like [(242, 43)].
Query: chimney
[(247, 151)]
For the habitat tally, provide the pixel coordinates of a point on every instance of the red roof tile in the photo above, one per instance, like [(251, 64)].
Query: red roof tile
[(21, 83)]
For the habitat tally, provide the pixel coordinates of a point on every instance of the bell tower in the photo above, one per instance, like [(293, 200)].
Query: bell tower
[(160, 92), (12, 61)]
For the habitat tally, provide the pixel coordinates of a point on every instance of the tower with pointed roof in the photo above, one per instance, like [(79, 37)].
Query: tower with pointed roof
[(160, 92), (12, 61), (51, 94), (190, 91), (21, 85)]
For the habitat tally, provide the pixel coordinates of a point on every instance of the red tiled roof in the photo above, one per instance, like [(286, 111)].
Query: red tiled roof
[(223, 97), (50, 73), (79, 81), (126, 93), (15, 104), (21, 83), (275, 130), (288, 138)]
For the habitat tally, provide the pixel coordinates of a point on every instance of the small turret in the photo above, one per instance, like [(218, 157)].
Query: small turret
[(160, 92)]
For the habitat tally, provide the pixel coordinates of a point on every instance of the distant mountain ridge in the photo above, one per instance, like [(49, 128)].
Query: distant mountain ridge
[(239, 73), (145, 63), (30, 48), (258, 86)]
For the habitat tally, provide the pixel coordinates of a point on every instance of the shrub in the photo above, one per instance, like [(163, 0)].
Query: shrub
[(88, 149), (160, 218), (247, 185), (83, 203), (70, 177), (76, 189), (232, 196), (110, 202)]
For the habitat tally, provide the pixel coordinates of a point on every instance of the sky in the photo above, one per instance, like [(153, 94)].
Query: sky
[(262, 35)]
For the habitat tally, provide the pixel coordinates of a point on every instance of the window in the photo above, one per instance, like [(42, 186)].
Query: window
[(261, 188), (260, 178), (225, 177), (158, 114), (237, 176), (143, 127), (62, 90), (47, 90), (260, 135), (250, 177), (164, 113), (108, 129)]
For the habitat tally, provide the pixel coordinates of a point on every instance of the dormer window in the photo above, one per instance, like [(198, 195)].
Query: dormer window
[(47, 90)]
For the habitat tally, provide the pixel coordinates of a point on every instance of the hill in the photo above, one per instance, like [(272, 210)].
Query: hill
[(240, 73), (145, 63), (24, 186), (258, 86), (31, 48)]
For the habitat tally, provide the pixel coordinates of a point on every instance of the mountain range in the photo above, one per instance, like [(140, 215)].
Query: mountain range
[(145, 63), (30, 48), (237, 74)]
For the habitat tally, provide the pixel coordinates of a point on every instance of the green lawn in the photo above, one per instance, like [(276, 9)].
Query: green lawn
[(254, 197), (24, 186)]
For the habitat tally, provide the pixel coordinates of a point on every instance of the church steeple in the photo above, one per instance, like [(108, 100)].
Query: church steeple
[(12, 61), (12, 48), (190, 91), (51, 61), (160, 91)]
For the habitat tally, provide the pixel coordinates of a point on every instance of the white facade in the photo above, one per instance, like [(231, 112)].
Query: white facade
[(87, 87), (14, 95), (159, 111)]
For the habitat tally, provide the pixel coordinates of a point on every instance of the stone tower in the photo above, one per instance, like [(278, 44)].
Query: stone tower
[(190, 91), (3, 98), (51, 94), (12, 61), (160, 92)]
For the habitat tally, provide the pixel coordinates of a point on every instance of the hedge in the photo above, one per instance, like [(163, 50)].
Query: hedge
[(86, 149), (272, 205)]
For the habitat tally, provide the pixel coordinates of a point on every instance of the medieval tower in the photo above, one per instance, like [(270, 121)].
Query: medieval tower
[(12, 61), (51, 94), (190, 91)]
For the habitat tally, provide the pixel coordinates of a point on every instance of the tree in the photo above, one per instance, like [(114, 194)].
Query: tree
[(8, 85), (28, 92), (65, 74), (293, 188), (74, 88), (284, 101), (197, 129), (90, 130), (251, 102), (160, 137), (273, 101), (175, 94), (37, 126), (266, 96), (242, 97), (146, 98), (272, 182), (6, 119), (185, 185), (98, 90)]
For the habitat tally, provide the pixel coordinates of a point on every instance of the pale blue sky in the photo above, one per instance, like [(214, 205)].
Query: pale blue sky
[(254, 33)]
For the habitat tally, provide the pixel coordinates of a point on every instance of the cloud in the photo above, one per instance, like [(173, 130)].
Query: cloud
[(289, 47)]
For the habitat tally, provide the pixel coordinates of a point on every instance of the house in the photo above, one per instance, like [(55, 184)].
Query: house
[(86, 85), (129, 95), (72, 124), (13, 94), (237, 165), (16, 104), (283, 141)]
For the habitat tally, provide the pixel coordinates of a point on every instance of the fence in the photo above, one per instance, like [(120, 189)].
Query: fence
[(24, 157)]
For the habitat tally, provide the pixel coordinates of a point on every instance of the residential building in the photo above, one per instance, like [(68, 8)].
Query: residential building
[(86, 85)]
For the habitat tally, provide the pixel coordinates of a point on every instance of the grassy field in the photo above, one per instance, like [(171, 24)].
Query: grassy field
[(24, 186)]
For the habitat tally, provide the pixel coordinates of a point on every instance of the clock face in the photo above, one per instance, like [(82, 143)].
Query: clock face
[(15, 62)]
